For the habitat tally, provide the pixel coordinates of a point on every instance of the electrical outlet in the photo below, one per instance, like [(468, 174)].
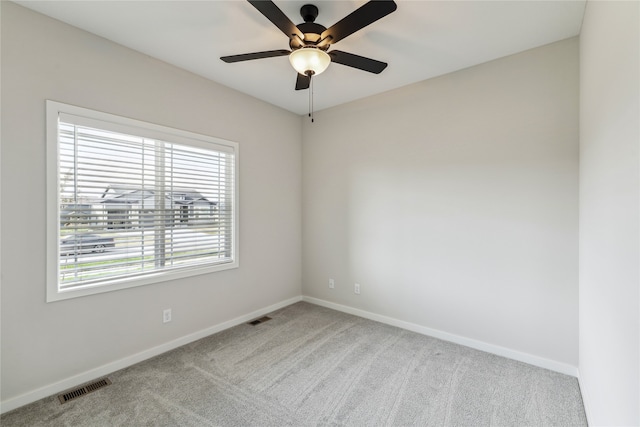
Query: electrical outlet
[(332, 284), (166, 315), (356, 289)]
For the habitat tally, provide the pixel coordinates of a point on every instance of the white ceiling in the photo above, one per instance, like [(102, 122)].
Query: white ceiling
[(420, 40)]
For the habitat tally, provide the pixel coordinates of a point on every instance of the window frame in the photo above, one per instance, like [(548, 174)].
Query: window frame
[(139, 128)]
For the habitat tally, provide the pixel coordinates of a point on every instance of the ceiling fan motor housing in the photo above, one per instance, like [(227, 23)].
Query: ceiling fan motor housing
[(309, 28)]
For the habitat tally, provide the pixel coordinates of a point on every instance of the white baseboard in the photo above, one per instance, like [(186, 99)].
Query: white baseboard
[(103, 370), (541, 362), (585, 399)]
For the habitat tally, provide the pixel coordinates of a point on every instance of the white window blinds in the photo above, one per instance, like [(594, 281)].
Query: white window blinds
[(136, 202)]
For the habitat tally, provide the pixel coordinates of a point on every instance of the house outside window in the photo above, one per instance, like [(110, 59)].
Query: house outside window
[(132, 203)]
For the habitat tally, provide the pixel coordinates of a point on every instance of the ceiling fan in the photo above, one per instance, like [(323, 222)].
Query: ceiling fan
[(310, 42)]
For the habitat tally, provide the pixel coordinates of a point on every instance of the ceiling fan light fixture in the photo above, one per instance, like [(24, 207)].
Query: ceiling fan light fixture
[(309, 60)]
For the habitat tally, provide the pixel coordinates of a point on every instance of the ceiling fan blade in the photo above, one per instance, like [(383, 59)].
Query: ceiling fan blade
[(277, 17), (358, 19), (357, 61), (302, 82), (255, 55)]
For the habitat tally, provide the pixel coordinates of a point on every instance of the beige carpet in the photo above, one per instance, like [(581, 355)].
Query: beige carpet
[(314, 366)]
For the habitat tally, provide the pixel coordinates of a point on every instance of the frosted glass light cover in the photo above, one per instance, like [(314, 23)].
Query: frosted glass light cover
[(309, 59)]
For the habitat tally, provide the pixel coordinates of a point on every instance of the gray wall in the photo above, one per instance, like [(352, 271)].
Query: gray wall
[(609, 213), (46, 343), (454, 203)]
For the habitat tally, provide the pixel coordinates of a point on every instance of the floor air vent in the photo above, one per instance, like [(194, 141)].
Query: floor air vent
[(260, 320), (81, 391)]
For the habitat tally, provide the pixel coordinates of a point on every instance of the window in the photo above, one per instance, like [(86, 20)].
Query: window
[(132, 203)]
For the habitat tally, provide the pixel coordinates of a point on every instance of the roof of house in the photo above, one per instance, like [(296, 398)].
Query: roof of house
[(127, 194)]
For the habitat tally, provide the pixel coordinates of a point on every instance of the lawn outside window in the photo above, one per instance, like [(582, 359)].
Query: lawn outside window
[(131, 203)]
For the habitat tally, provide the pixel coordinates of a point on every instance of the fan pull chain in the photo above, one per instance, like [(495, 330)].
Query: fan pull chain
[(311, 97), (310, 79)]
